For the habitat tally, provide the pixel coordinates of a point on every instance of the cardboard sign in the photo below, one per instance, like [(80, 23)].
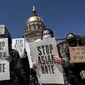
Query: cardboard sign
[(42, 53), (4, 70), (77, 54), (18, 44)]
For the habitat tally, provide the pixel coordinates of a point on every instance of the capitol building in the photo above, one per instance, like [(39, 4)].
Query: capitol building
[(34, 27)]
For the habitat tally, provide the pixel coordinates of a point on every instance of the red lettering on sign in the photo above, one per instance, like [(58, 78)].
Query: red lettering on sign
[(75, 57), (73, 49)]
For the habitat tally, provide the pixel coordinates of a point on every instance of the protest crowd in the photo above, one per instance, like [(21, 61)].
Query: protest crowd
[(45, 61)]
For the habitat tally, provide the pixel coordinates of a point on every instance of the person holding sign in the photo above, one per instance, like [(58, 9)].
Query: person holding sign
[(73, 70), (76, 68), (17, 73), (48, 34), (19, 45)]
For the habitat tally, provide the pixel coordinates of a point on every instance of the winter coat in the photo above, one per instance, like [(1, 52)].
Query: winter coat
[(72, 71), (17, 73), (26, 65), (62, 50)]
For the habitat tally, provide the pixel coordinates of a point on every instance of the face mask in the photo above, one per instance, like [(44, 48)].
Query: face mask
[(72, 42), (48, 36), (71, 39)]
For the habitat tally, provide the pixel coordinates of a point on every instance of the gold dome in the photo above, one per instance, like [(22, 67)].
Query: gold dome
[(35, 19)]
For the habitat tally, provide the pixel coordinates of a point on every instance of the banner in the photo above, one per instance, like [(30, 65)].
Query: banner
[(4, 65), (77, 54), (42, 53), (18, 44)]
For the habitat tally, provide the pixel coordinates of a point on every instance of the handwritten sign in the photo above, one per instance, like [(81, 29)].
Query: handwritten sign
[(77, 54)]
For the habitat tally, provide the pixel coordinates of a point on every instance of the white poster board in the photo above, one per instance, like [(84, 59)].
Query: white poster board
[(42, 53), (18, 44), (3, 48), (4, 65), (4, 70), (29, 54)]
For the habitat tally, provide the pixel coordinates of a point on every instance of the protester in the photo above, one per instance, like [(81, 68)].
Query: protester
[(73, 40), (72, 70), (26, 65), (48, 34), (17, 73), (27, 61), (76, 68)]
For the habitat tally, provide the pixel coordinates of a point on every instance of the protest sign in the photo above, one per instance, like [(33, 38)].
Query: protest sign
[(77, 54), (42, 53), (18, 44), (3, 48), (4, 65), (4, 70), (29, 54)]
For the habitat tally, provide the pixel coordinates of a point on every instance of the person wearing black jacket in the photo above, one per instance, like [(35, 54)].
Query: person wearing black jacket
[(26, 65), (74, 69), (17, 74)]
